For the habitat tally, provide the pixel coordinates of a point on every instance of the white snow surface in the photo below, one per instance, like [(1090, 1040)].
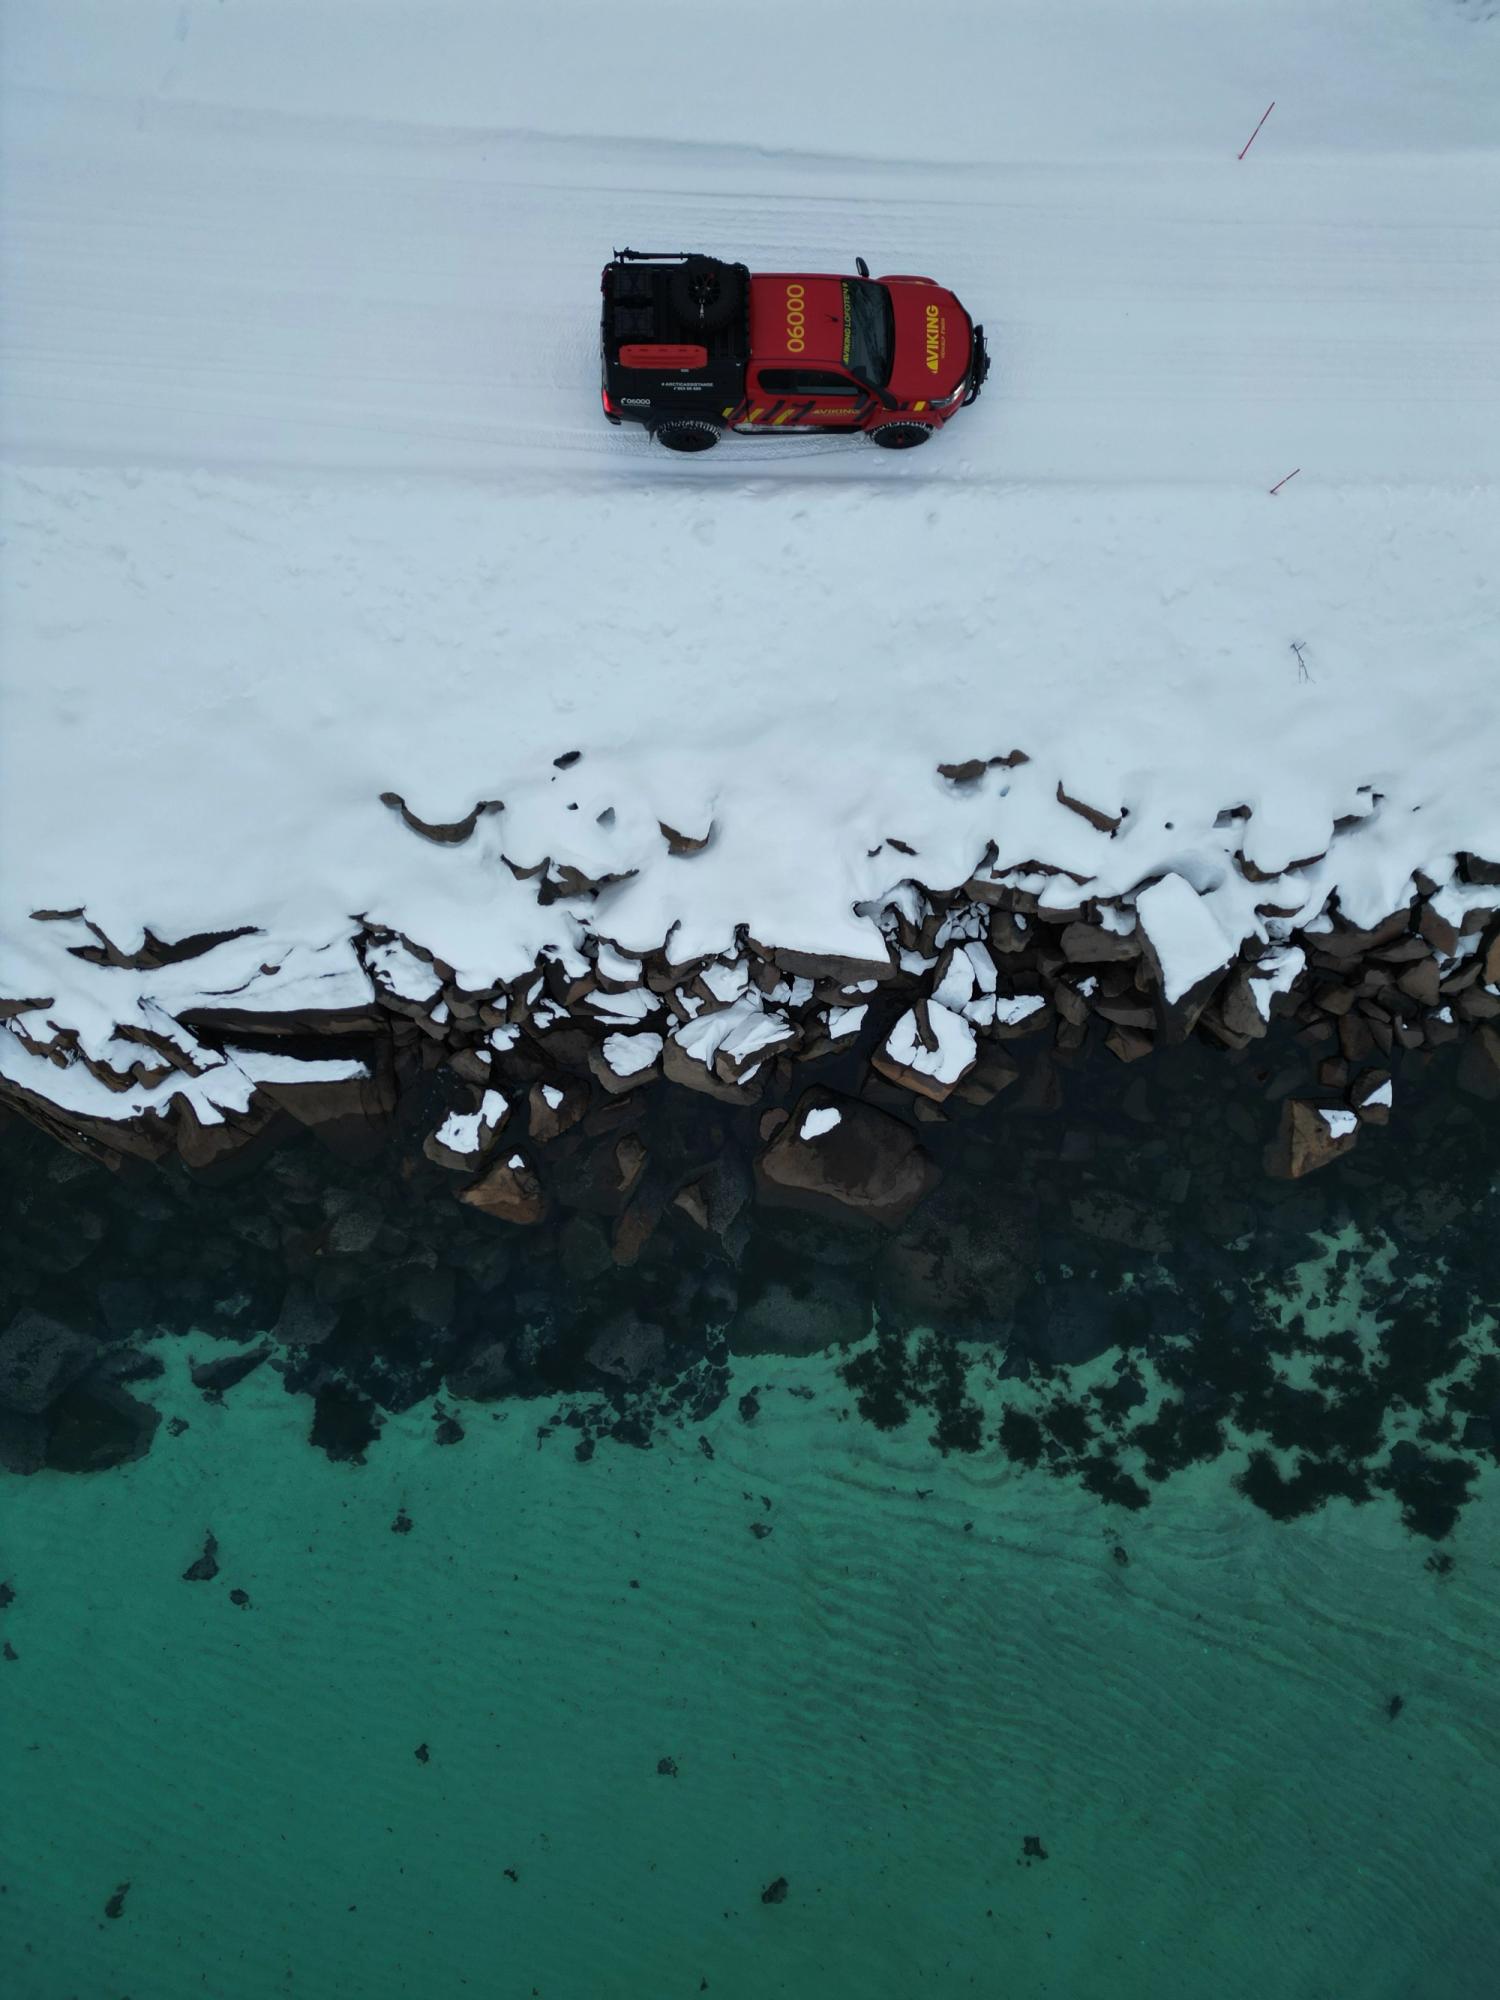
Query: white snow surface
[(628, 1055), (472, 1131), (307, 495), (1183, 932), (816, 1123), (950, 1060), (1340, 1123)]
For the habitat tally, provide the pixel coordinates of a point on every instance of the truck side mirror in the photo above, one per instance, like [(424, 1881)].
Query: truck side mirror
[(862, 267)]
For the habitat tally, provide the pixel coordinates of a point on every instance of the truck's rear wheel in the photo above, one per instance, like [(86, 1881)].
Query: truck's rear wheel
[(687, 434), (900, 437)]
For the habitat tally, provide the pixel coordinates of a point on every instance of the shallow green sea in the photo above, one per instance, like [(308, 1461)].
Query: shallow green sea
[(638, 1715)]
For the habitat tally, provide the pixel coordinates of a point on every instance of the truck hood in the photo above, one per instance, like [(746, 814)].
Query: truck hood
[(933, 341)]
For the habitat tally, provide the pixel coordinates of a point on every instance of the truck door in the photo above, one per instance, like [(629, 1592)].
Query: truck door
[(803, 399)]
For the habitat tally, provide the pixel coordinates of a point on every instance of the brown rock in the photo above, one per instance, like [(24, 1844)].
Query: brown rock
[(509, 1191), (1129, 1044), (351, 1116), (825, 965), (555, 1108), (1091, 944), (1371, 1084), (1106, 822), (448, 833), (771, 1123), (685, 843), (1439, 932), (1420, 982), (486, 1133), (681, 1068), (1309, 1137), (868, 1164)]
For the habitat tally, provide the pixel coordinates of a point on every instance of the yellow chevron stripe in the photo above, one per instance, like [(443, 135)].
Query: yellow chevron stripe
[(919, 406), (755, 414), (783, 417)]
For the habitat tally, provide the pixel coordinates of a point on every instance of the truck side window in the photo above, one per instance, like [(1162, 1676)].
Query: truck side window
[(804, 382)]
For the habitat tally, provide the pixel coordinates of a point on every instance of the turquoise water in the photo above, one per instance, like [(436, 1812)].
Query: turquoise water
[(925, 1664)]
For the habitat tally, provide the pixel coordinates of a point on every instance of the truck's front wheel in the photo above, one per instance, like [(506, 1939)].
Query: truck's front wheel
[(687, 434), (900, 437)]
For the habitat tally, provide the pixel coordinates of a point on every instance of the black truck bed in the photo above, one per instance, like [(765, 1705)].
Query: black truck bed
[(647, 303)]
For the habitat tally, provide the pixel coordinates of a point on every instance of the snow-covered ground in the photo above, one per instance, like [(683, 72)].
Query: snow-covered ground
[(308, 497)]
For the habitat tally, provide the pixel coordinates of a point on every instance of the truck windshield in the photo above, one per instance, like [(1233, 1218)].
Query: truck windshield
[(868, 330)]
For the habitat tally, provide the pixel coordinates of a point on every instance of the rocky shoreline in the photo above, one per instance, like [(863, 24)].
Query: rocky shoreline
[(629, 1237), (980, 991)]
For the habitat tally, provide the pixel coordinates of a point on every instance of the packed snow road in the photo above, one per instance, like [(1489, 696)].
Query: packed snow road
[(242, 285)]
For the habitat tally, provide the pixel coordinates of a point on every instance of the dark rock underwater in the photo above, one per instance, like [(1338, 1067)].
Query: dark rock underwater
[(1328, 1336)]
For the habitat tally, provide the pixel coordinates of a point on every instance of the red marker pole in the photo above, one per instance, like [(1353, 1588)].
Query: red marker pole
[(1282, 482), (1251, 140)]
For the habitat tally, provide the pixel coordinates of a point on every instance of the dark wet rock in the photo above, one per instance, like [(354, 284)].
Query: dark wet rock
[(240, 1598), (1111, 1216), (223, 1371), (115, 1907), (1032, 1848), (39, 1358), (402, 1525), (96, 1426), (1020, 1437), (127, 1364), (206, 1566), (345, 1423), (1432, 1489), (485, 1374), (128, 1307), (305, 1320), (775, 1892), (7, 1595), (760, 1530), (869, 1163), (23, 1442), (176, 1426), (782, 1318), (627, 1348), (960, 1264), (749, 1407), (9, 1653), (666, 1767), (423, 1755), (1072, 1322), (446, 1427)]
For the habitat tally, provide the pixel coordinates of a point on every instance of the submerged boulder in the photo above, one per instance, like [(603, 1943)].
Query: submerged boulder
[(793, 1319), (39, 1359), (959, 1265), (837, 1156)]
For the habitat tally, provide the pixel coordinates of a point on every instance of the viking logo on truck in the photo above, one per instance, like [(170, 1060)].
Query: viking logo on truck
[(796, 318), (934, 339)]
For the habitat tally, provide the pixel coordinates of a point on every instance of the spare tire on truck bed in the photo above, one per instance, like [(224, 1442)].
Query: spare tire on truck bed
[(706, 292)]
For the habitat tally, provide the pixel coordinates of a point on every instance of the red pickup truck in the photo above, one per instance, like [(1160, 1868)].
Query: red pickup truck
[(692, 347)]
